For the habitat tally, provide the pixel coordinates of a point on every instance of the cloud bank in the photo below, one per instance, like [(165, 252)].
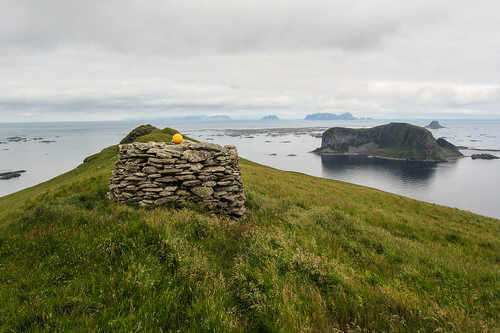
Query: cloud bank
[(62, 60)]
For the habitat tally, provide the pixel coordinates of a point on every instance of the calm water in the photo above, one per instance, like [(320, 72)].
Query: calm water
[(69, 144), (463, 183)]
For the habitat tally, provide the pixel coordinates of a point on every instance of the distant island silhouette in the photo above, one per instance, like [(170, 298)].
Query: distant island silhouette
[(270, 117), (330, 116), (434, 125)]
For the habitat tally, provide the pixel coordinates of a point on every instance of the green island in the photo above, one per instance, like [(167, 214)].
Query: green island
[(395, 140), (310, 255)]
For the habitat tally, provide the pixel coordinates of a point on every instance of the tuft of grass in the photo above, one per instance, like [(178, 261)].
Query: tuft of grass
[(310, 255)]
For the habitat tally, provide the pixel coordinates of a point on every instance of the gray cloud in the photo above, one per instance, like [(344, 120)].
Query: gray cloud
[(375, 58), (178, 27)]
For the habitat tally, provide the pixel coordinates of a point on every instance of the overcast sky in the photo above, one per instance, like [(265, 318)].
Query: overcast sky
[(119, 59)]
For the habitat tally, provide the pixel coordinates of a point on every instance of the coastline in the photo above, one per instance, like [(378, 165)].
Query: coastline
[(383, 157), (461, 183)]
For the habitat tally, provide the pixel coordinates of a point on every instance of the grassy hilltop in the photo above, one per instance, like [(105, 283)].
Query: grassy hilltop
[(310, 255)]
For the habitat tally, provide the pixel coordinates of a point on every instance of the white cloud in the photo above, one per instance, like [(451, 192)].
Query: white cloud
[(181, 27), (375, 58)]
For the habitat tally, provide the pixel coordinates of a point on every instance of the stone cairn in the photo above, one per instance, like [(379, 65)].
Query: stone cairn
[(156, 173)]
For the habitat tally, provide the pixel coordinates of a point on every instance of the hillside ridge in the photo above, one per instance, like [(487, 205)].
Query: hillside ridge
[(311, 254)]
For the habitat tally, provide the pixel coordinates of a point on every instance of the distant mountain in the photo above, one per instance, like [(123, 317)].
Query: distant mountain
[(330, 116), (221, 117), (270, 117), (198, 118)]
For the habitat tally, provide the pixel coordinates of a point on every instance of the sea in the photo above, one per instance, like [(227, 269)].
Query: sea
[(46, 150)]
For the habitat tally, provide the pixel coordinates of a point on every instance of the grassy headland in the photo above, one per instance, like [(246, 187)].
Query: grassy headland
[(310, 255)]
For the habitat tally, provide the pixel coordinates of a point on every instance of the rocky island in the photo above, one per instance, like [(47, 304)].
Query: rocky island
[(484, 157), (434, 125), (330, 116), (270, 117), (11, 174), (394, 140)]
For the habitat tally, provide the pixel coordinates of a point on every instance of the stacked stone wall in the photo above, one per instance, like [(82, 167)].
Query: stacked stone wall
[(158, 173)]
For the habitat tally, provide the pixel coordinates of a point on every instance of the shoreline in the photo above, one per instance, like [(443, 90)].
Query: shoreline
[(383, 157)]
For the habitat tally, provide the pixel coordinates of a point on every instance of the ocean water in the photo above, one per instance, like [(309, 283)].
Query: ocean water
[(462, 183), (47, 150)]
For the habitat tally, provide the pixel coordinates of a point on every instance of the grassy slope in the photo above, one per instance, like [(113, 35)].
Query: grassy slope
[(311, 254), (101, 163)]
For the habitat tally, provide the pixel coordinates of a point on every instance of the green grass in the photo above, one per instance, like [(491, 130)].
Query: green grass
[(159, 135), (310, 255)]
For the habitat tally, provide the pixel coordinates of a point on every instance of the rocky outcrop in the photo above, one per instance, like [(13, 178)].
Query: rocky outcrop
[(394, 140), (158, 173), (434, 125), (483, 156), (138, 132), (11, 174)]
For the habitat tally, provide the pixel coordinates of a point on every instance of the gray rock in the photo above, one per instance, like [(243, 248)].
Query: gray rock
[(164, 155), (154, 160), (145, 203), (162, 201), (195, 156), (146, 185), (484, 156), (213, 169), (149, 169), (134, 179), (190, 183), (207, 177), (132, 167), (168, 179), (11, 174), (183, 193), (169, 171), (233, 188), (196, 166), (202, 192), (170, 188), (207, 146), (185, 177), (154, 175), (152, 189)]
